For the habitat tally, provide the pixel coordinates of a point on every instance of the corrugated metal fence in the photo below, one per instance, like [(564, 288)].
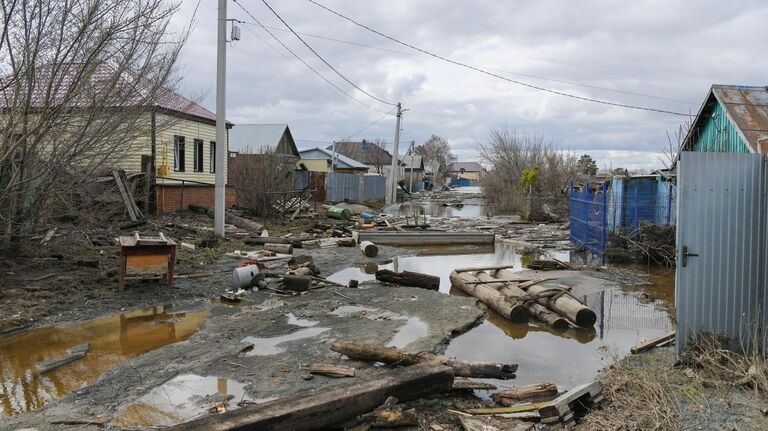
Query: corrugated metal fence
[(375, 187), (722, 248), (588, 219), (343, 187)]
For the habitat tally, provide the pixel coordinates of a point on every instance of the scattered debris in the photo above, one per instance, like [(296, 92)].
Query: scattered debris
[(407, 278), (73, 354), (369, 249), (331, 370), (649, 344), (535, 392)]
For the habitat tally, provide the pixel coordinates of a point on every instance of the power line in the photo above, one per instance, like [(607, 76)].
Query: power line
[(510, 72), (495, 75), (350, 136), (324, 60), (339, 89)]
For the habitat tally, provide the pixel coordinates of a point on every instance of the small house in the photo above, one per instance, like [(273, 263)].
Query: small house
[(323, 160)]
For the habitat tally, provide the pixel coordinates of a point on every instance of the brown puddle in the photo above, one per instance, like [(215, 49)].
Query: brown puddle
[(113, 340)]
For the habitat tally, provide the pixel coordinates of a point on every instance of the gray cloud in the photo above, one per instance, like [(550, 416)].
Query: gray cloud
[(673, 50)]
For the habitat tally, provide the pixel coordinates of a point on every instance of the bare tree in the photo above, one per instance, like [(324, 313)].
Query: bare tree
[(437, 156), (263, 180), (78, 81), (671, 151), (523, 163)]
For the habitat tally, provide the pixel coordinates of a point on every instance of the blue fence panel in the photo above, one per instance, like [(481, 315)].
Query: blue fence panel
[(460, 182), (615, 202), (375, 187), (342, 187), (588, 219), (417, 187), (666, 195)]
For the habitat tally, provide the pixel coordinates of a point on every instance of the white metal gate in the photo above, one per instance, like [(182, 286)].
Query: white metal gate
[(719, 285)]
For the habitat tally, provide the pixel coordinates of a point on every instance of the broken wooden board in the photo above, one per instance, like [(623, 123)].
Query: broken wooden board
[(331, 370), (653, 342), (536, 392), (329, 406), (559, 409), (73, 354), (460, 384)]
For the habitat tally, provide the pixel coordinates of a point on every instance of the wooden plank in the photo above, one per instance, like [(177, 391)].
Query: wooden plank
[(124, 194), (535, 392), (653, 342), (500, 280), (331, 370), (73, 354), (518, 408), (329, 406), (483, 268), (559, 407), (131, 199)]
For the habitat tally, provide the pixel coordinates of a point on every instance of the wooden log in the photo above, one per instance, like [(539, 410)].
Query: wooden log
[(461, 384), (321, 409), (653, 342), (73, 354), (297, 283), (536, 392), (346, 242), (392, 355), (407, 278), (484, 268), (513, 310), (487, 423), (535, 310), (564, 305), (279, 248), (331, 370), (369, 249), (241, 222), (261, 240)]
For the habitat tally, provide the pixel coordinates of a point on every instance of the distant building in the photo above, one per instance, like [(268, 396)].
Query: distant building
[(732, 119), (412, 168), (472, 171), (323, 160), (263, 138), (378, 160)]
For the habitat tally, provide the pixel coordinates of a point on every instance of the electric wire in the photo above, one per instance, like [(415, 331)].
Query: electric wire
[(495, 75), (315, 71), (323, 59)]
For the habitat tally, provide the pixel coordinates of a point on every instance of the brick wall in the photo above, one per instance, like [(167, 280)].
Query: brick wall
[(169, 198)]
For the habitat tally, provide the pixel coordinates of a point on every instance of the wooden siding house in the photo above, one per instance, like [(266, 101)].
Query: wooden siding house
[(323, 160), (732, 119)]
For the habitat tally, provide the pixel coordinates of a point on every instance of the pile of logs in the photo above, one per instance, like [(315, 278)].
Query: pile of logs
[(519, 299)]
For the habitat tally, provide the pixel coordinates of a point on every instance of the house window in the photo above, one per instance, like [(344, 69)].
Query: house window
[(178, 153), (198, 155), (212, 158)]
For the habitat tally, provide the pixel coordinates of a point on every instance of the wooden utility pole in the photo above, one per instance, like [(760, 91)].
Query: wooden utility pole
[(392, 183)]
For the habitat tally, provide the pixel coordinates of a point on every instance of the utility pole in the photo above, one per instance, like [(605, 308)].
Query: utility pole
[(221, 119), (410, 177), (392, 183)]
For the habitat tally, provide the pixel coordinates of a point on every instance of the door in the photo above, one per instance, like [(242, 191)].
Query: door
[(720, 233)]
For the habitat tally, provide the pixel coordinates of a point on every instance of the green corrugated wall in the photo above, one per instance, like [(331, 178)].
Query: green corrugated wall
[(719, 135)]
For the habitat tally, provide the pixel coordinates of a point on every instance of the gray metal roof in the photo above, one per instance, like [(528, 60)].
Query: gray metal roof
[(416, 162), (467, 166), (746, 107), (342, 161), (261, 137)]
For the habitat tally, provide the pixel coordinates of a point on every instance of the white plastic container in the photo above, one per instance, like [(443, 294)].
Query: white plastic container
[(245, 277)]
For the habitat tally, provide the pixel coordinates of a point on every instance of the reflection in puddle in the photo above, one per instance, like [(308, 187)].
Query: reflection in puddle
[(449, 258), (180, 399), (568, 358), (471, 208), (413, 330), (113, 340), (273, 345)]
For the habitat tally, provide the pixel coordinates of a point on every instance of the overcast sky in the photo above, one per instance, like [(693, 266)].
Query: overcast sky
[(669, 50)]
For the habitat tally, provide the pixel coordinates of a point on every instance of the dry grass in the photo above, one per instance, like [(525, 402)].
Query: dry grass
[(640, 396)]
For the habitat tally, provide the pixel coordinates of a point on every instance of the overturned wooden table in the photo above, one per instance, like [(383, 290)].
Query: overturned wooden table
[(147, 255)]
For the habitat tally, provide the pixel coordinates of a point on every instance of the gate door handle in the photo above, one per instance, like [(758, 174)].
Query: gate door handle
[(686, 254)]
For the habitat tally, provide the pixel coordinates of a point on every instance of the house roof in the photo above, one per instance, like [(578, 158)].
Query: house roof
[(467, 166), (745, 106), (261, 138), (364, 151), (417, 162), (342, 161), (129, 90)]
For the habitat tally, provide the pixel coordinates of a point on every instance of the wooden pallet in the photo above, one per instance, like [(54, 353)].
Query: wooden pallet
[(560, 410)]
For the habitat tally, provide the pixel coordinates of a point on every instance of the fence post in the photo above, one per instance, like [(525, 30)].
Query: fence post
[(603, 220), (669, 202)]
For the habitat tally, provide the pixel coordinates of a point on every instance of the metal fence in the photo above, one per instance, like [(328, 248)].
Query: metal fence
[(588, 219), (374, 187)]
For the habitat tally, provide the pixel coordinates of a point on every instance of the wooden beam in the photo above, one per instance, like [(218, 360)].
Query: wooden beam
[(326, 406), (483, 268), (653, 342)]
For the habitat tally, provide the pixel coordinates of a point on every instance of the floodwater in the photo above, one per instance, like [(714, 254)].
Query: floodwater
[(113, 340), (413, 330), (468, 209), (182, 398), (566, 358), (266, 346)]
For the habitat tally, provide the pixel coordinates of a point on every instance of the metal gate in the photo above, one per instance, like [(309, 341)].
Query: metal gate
[(721, 246)]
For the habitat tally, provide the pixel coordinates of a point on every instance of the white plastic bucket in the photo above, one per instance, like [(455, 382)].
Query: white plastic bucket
[(245, 277)]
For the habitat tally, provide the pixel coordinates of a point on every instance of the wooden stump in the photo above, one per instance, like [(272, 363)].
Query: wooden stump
[(369, 249), (279, 248)]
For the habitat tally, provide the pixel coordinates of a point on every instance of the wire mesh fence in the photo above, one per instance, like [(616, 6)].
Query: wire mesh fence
[(588, 219)]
